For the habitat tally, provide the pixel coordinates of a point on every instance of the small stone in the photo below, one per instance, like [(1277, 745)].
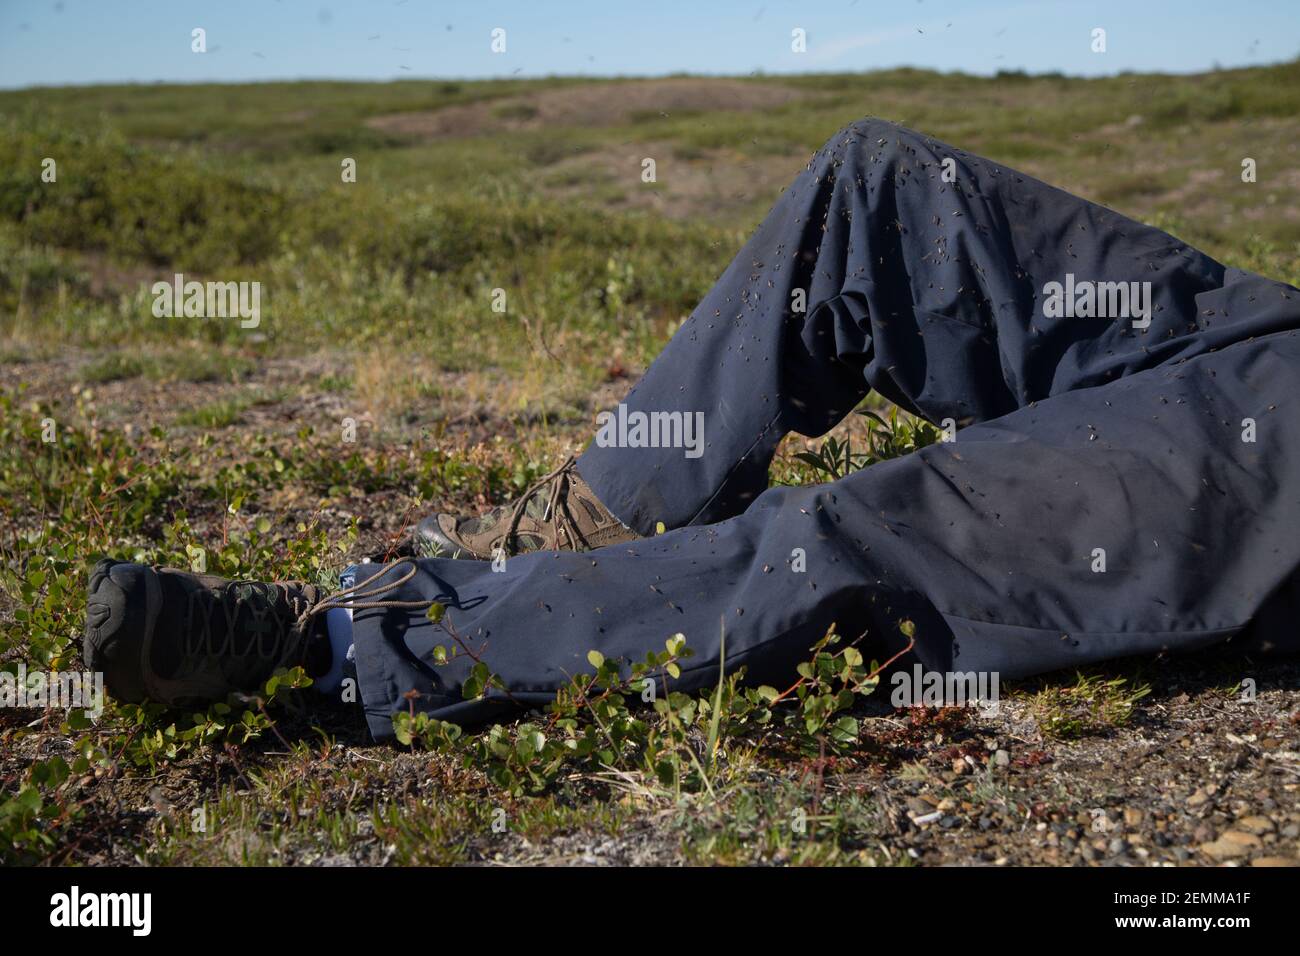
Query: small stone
[(1117, 847), (1273, 861), (1255, 824), (959, 766), (1002, 758), (1232, 845), (1133, 817)]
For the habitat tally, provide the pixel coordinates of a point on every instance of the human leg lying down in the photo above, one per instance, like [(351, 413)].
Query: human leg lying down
[(1082, 442)]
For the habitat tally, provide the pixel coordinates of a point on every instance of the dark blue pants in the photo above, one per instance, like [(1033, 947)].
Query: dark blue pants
[(1168, 446)]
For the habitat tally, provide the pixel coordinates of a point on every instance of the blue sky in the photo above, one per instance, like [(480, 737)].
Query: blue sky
[(53, 42)]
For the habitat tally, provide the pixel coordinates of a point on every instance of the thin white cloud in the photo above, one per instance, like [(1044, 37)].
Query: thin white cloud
[(828, 51)]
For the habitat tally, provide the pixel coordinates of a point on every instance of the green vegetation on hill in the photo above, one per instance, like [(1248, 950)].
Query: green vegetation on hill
[(541, 194)]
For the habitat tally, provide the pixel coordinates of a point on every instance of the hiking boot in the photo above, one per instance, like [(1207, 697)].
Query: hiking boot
[(559, 513), (179, 638)]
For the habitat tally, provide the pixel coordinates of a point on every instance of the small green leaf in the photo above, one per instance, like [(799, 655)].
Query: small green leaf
[(402, 728), (845, 730)]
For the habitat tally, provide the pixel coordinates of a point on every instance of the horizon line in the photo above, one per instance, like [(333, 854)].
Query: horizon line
[(754, 74)]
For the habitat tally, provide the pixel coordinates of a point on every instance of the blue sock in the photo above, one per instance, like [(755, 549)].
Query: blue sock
[(338, 624)]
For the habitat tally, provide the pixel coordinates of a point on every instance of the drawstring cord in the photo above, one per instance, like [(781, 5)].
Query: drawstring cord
[(357, 599)]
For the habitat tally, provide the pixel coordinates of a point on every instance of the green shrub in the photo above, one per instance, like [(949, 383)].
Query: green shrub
[(109, 196)]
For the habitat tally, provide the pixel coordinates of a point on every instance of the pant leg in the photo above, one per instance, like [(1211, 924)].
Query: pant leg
[(922, 267), (989, 544), (1086, 434)]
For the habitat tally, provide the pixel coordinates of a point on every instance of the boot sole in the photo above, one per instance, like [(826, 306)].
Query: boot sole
[(121, 614)]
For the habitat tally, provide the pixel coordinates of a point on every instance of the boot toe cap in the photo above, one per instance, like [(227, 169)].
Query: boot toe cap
[(431, 540)]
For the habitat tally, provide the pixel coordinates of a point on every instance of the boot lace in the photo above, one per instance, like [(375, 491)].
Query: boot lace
[(557, 513), (261, 603), (278, 613)]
